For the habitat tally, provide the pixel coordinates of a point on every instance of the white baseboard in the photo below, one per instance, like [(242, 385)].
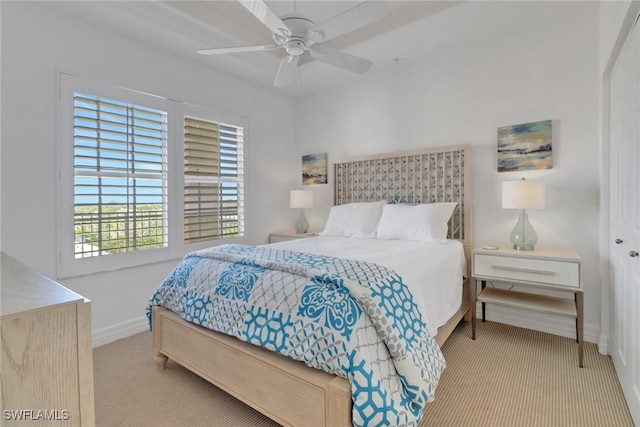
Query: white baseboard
[(551, 324), (603, 344), (119, 331), (556, 325)]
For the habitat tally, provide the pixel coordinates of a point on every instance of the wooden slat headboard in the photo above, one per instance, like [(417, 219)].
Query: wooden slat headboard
[(431, 175)]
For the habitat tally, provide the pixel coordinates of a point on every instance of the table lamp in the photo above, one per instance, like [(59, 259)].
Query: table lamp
[(301, 199), (523, 195)]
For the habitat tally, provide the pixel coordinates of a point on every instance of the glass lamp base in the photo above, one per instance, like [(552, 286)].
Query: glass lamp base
[(523, 235), (302, 225)]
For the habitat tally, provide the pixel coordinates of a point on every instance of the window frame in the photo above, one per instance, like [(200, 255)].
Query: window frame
[(69, 266)]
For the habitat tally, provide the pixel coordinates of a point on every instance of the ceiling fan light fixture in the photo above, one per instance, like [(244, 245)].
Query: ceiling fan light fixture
[(295, 47)]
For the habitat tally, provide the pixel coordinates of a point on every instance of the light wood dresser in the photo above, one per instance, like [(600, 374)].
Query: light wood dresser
[(46, 369)]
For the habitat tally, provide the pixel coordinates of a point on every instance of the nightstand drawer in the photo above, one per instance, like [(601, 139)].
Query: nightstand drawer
[(551, 272), (291, 235)]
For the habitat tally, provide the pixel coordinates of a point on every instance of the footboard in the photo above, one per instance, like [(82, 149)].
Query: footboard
[(285, 390)]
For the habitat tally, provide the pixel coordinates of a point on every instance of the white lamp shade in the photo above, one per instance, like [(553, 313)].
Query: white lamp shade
[(523, 195), (301, 199)]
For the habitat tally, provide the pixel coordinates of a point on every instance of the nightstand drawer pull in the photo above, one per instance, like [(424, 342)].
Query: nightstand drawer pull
[(523, 270)]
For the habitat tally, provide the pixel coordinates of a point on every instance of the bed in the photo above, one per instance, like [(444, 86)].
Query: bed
[(287, 390)]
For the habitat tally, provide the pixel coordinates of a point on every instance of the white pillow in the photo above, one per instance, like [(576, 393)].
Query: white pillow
[(354, 219), (425, 222)]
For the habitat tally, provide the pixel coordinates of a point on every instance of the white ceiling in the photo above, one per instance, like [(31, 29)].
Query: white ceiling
[(412, 30)]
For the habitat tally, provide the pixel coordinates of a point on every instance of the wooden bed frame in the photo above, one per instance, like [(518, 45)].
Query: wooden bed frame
[(288, 391)]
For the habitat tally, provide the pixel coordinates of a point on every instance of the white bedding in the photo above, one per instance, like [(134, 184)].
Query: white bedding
[(433, 272)]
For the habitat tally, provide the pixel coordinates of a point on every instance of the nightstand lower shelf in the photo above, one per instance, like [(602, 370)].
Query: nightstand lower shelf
[(534, 302), (540, 303)]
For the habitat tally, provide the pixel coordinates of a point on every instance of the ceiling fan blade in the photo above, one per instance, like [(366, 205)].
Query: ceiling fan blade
[(287, 70), (358, 16), (239, 49), (261, 11), (340, 59)]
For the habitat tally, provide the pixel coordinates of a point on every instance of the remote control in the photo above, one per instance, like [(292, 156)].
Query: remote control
[(490, 247)]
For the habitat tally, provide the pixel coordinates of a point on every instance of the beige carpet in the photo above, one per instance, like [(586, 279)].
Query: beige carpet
[(507, 377)]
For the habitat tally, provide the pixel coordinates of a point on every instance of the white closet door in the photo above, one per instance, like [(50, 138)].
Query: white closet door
[(625, 218)]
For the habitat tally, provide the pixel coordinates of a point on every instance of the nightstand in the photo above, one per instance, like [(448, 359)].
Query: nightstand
[(558, 269), (289, 235)]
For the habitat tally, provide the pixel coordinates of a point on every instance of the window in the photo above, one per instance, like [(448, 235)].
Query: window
[(120, 177), (213, 187), (142, 178)]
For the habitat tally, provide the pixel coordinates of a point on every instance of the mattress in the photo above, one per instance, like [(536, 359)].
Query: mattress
[(432, 271)]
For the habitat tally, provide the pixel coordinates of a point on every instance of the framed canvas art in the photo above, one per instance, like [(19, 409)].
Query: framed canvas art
[(525, 147), (314, 169)]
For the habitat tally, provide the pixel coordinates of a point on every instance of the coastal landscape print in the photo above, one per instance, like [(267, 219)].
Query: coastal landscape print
[(525, 147), (314, 169)]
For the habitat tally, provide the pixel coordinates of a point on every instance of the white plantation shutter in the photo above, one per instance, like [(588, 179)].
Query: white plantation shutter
[(213, 180), (120, 177), (143, 179)]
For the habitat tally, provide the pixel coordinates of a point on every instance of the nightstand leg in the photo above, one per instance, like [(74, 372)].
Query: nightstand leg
[(474, 294), (575, 298), (483, 285), (580, 331)]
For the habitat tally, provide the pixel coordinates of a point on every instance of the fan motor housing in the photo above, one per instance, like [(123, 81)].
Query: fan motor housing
[(299, 37), (298, 25)]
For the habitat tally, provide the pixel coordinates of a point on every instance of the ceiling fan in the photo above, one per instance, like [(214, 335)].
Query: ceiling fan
[(297, 34)]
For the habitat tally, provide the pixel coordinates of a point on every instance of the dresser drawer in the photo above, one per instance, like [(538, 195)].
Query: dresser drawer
[(562, 273)]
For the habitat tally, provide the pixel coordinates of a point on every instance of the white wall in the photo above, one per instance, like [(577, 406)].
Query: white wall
[(35, 43), (463, 96)]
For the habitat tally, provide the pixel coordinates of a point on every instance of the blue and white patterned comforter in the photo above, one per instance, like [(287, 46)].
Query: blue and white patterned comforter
[(350, 318)]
